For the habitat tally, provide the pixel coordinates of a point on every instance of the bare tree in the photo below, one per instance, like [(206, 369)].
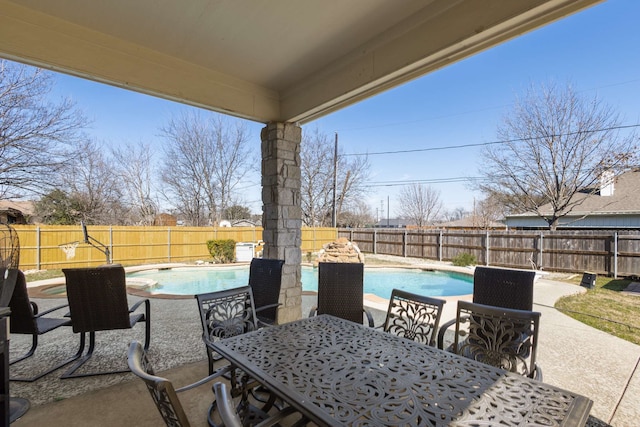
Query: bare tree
[(133, 165), (205, 160), (420, 203), (555, 144), (455, 214), (34, 132), (317, 168), (488, 211), (93, 187), (358, 215), (236, 212)]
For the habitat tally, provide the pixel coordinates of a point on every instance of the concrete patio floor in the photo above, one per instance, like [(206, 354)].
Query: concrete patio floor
[(572, 355)]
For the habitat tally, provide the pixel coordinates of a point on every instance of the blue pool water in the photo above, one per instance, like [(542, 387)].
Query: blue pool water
[(378, 281)]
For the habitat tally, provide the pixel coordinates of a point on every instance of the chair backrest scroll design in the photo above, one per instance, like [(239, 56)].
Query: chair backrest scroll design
[(497, 336), (413, 316)]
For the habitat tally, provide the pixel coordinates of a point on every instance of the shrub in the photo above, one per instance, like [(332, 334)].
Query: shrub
[(464, 259), (222, 250)]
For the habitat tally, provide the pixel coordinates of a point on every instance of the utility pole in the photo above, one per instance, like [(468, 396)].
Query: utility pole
[(387, 211), (335, 182)]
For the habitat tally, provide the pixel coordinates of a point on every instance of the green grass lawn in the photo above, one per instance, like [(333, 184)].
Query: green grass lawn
[(606, 308)]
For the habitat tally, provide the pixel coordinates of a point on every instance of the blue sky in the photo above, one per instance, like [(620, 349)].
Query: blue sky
[(597, 50)]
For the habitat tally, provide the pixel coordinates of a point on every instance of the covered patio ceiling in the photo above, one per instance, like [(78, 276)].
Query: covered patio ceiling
[(264, 60)]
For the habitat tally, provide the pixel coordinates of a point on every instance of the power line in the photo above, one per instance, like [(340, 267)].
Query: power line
[(423, 181), (482, 144), (449, 180)]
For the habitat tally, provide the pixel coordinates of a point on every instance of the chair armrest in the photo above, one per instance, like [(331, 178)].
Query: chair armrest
[(218, 373), (207, 341), (262, 324), (264, 307), (537, 372), (147, 307), (369, 317), (50, 310), (442, 331)]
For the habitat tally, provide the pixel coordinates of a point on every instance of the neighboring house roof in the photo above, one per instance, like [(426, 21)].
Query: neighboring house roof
[(25, 206), (244, 223), (625, 201), (394, 222)]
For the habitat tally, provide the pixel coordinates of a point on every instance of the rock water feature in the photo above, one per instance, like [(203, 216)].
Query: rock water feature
[(341, 250)]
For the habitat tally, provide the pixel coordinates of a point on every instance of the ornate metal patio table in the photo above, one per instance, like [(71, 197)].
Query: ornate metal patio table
[(340, 373)]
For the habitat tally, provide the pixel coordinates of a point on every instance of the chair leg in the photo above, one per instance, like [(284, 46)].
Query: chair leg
[(70, 373), (147, 329), (58, 366), (34, 344), (213, 358)]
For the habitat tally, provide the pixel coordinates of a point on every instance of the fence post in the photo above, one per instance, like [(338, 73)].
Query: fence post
[(110, 245), (615, 255), (38, 248), (486, 248), (404, 244), (168, 244), (540, 250), (375, 241), (440, 246)]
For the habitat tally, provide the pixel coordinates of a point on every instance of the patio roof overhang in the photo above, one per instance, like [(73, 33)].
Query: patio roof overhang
[(268, 61)]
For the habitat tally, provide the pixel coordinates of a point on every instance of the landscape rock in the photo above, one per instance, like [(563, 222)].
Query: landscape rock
[(341, 250)]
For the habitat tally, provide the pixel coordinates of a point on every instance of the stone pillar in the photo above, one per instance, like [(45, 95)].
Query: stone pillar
[(281, 211)]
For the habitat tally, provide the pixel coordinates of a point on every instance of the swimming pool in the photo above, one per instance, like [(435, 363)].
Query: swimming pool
[(377, 281)]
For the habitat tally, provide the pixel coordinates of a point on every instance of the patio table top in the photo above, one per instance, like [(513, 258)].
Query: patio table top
[(340, 373)]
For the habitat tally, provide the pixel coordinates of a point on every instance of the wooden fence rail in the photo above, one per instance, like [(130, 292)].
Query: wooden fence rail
[(604, 252), (41, 247)]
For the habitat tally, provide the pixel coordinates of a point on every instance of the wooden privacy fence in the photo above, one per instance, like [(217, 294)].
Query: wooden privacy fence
[(49, 247), (604, 252)]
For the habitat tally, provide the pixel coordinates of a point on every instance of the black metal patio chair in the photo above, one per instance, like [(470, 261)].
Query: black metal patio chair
[(265, 279), (499, 287), (497, 336), (98, 302), (26, 318), (413, 316), (226, 314), (341, 292), (164, 395)]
